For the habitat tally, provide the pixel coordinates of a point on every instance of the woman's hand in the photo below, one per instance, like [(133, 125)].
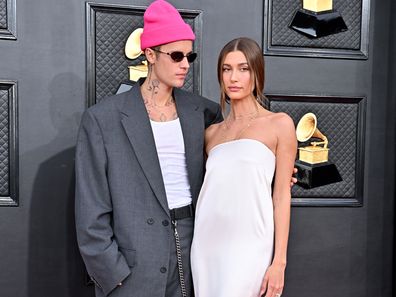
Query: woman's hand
[(273, 282)]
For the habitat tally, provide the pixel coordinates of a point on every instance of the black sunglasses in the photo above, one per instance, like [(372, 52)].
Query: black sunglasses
[(179, 56)]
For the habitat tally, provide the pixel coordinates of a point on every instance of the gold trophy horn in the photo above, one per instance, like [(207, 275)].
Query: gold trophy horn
[(314, 168), (133, 51), (132, 46), (306, 129)]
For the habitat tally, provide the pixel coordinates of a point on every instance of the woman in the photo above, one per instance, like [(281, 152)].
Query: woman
[(242, 223)]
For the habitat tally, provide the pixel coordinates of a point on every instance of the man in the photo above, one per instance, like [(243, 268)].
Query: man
[(139, 169)]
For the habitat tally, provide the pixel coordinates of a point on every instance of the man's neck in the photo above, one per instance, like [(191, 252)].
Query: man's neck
[(155, 91)]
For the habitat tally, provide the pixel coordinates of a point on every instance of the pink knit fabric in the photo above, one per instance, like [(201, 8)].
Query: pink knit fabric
[(163, 24)]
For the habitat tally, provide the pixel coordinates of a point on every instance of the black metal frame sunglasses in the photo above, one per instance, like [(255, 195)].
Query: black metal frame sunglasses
[(178, 56)]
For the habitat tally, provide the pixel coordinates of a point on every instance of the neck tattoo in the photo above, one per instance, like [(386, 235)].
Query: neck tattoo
[(163, 113), (153, 86)]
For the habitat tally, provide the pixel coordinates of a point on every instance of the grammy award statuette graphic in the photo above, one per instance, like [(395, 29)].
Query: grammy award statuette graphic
[(317, 18), (132, 52), (314, 167)]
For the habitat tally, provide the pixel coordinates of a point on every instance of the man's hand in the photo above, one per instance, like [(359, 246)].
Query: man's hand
[(293, 179)]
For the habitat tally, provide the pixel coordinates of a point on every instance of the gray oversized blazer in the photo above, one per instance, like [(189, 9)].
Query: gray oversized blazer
[(119, 188)]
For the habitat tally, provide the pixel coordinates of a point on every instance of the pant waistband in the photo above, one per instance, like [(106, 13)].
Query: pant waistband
[(182, 212)]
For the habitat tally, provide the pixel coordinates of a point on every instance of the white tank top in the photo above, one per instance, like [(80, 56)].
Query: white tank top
[(169, 142)]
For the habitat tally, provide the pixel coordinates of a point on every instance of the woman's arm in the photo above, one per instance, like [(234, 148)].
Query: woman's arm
[(285, 156)]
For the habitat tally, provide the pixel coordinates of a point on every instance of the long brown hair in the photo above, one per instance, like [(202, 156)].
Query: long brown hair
[(255, 60)]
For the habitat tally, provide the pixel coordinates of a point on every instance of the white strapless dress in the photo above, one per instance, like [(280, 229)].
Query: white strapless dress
[(234, 225)]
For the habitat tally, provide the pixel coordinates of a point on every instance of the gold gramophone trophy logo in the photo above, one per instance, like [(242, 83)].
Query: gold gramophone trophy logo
[(314, 167), (318, 18), (133, 51)]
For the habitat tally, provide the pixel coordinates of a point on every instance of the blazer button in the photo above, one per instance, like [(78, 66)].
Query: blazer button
[(150, 221), (165, 223), (163, 269)]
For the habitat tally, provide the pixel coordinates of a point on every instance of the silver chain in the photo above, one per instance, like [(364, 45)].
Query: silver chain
[(179, 260)]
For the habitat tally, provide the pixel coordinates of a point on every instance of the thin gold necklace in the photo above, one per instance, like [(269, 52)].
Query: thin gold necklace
[(251, 116), (242, 116)]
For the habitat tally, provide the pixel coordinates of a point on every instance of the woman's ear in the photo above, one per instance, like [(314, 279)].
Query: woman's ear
[(150, 55)]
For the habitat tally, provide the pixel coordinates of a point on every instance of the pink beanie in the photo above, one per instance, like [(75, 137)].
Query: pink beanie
[(163, 24)]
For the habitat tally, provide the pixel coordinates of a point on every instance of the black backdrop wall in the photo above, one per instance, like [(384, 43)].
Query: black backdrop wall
[(334, 251)]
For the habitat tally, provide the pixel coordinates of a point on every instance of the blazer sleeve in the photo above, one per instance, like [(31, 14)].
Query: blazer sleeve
[(219, 115), (213, 115), (93, 209)]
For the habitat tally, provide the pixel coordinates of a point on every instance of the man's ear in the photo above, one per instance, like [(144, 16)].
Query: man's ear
[(150, 55)]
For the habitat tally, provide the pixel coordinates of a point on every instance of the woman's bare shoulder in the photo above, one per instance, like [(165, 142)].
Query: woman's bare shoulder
[(281, 120), (212, 129)]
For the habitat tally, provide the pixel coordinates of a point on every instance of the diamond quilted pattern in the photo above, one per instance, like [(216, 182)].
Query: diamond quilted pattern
[(112, 30), (282, 14), (4, 143), (3, 14), (339, 122)]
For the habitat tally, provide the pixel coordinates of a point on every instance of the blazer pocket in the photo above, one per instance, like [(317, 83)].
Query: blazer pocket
[(130, 256)]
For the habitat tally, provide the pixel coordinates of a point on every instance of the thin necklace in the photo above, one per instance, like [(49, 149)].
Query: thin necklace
[(168, 102), (242, 116), (251, 116), (150, 106)]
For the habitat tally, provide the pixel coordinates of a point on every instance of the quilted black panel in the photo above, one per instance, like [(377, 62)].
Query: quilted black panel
[(112, 26), (4, 143), (3, 14), (339, 121), (282, 14), (112, 31)]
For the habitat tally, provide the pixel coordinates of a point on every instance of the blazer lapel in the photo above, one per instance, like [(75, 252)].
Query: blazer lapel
[(138, 129), (193, 133)]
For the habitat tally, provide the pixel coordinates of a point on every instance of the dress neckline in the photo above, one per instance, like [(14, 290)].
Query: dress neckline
[(242, 140)]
